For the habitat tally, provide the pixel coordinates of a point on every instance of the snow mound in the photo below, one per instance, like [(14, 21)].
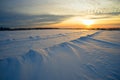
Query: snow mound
[(21, 67)]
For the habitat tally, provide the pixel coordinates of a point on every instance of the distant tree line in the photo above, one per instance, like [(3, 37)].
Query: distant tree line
[(104, 28), (4, 28), (13, 29)]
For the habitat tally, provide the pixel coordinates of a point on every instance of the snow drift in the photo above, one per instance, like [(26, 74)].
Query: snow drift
[(88, 57)]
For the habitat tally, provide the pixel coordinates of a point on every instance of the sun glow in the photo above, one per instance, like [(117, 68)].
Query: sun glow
[(88, 22)]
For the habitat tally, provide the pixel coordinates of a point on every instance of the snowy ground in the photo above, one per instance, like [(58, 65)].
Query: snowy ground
[(60, 55)]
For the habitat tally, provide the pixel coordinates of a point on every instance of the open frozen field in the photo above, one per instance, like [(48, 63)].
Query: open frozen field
[(60, 55)]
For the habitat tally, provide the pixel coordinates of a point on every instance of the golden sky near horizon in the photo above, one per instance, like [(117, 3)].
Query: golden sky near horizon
[(60, 13)]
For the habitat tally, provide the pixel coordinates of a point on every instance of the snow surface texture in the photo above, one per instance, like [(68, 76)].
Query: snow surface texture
[(60, 55)]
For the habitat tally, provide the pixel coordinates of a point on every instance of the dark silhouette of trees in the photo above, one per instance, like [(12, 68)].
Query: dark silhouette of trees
[(13, 29)]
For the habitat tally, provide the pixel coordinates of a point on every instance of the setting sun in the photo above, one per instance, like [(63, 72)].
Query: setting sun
[(88, 22)]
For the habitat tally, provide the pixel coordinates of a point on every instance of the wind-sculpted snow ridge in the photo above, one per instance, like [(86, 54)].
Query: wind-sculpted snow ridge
[(85, 58), (90, 39), (23, 67)]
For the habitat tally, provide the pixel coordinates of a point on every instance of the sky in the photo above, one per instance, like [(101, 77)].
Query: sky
[(59, 13)]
